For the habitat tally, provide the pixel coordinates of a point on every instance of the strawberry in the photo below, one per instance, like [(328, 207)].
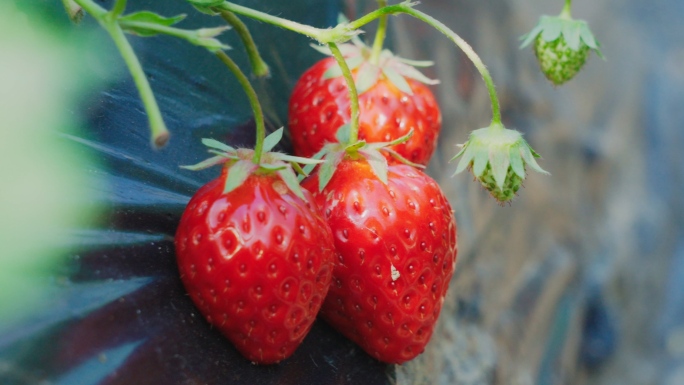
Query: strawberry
[(254, 254), (393, 100), (498, 157), (562, 45), (396, 253)]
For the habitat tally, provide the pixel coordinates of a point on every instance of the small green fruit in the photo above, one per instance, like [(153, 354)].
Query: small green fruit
[(498, 157), (558, 62), (562, 45)]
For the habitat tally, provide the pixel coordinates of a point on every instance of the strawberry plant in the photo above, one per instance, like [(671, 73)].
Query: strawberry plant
[(370, 239)]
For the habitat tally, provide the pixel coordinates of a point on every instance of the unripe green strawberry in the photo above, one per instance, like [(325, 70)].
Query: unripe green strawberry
[(562, 45), (510, 186), (558, 61), (498, 157)]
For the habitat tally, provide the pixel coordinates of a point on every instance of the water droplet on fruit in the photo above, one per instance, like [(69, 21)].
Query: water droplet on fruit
[(202, 208), (197, 238), (385, 211)]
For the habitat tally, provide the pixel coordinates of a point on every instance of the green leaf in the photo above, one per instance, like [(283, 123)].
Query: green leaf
[(319, 155), (321, 48), (237, 174), (400, 140), (343, 133), (398, 80), (517, 162), (529, 38), (377, 162), (366, 77), (291, 181), (299, 170), (415, 63), (213, 143), (273, 166), (224, 154), (410, 72), (296, 159), (467, 157), (588, 37), (272, 140), (327, 169), (400, 158), (552, 27), (571, 33), (499, 160), (526, 153), (152, 18), (206, 163), (481, 158)]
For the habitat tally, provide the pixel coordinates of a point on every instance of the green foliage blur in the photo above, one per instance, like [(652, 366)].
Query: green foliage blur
[(43, 179)]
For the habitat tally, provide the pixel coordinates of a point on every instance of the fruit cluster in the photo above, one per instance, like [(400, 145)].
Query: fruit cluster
[(362, 236)]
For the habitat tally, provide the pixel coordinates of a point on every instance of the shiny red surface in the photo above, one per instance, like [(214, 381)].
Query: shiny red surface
[(318, 107), (407, 224), (257, 262)]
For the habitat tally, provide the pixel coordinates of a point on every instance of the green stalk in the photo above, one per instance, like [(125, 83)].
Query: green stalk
[(567, 12), (259, 66), (462, 44), (253, 101), (379, 35), (266, 18), (353, 94), (160, 134)]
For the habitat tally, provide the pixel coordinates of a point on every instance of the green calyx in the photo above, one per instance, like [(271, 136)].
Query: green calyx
[(498, 158), (562, 45), (240, 164), (333, 153), (359, 57)]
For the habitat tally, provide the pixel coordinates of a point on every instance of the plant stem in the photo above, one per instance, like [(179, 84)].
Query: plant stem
[(353, 94), (567, 10), (462, 44), (160, 134), (259, 66), (253, 101), (266, 18), (379, 35)]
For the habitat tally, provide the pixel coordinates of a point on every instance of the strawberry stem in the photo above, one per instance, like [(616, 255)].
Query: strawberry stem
[(566, 12), (253, 101), (265, 17), (109, 21), (353, 94), (462, 44), (379, 35), (259, 66)]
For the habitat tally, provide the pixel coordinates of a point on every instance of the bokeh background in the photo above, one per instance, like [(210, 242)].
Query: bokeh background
[(579, 281)]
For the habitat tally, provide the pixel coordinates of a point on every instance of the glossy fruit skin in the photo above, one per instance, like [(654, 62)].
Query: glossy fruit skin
[(318, 107), (257, 263), (407, 224)]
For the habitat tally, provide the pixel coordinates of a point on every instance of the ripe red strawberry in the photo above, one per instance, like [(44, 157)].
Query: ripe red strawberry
[(256, 261), (392, 101), (396, 253)]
